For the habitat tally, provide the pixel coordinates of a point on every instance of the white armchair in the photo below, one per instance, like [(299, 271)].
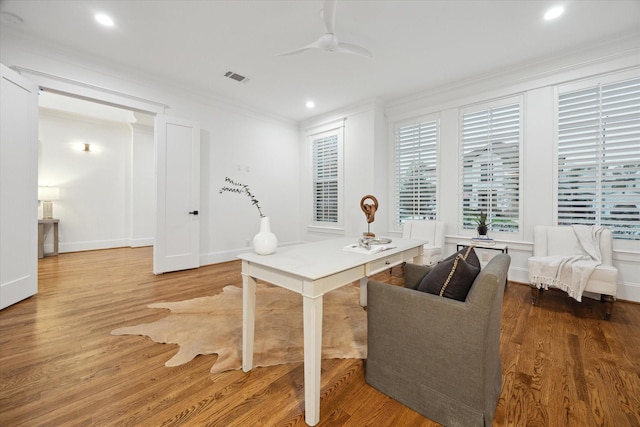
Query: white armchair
[(563, 259), (432, 232)]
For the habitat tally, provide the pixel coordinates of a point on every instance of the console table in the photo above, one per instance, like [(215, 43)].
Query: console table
[(481, 245), (312, 269), (41, 224)]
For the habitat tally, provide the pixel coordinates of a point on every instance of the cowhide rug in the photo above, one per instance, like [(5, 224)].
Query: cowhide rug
[(213, 324)]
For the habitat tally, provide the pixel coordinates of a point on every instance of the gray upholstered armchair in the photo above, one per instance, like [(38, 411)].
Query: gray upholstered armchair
[(439, 356)]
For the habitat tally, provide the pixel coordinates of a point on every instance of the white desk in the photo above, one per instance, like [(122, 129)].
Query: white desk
[(312, 269)]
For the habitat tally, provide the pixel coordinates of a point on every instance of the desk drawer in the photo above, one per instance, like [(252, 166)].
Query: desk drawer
[(384, 263)]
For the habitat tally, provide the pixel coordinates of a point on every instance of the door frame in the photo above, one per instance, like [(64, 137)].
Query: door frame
[(88, 92), (76, 89)]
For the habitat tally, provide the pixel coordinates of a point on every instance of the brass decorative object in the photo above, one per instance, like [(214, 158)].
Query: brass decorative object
[(370, 212)]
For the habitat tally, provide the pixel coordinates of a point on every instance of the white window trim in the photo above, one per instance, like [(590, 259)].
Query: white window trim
[(394, 190), (336, 127), (619, 244), (499, 102)]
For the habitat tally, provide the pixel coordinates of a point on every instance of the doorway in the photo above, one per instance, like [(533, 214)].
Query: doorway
[(101, 160)]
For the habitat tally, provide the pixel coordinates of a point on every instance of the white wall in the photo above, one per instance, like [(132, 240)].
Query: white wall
[(141, 184), (93, 205), (364, 168), (264, 147), (536, 85), (264, 156), (106, 198), (537, 88), (271, 155)]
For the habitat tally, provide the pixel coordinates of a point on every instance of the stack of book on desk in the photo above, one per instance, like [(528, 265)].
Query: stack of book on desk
[(483, 240), (373, 249)]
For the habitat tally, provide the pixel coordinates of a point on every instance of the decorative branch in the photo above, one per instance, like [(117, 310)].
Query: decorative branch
[(236, 187)]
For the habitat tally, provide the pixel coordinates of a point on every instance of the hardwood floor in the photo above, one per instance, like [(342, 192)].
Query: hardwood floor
[(59, 365)]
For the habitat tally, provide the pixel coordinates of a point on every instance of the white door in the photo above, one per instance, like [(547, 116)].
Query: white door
[(177, 240), (18, 188)]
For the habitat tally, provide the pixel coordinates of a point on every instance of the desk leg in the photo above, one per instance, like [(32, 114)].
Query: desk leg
[(312, 312), (363, 291), (248, 320), (418, 258), (40, 240)]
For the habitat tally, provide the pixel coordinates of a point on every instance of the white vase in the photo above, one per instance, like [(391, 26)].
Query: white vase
[(265, 242)]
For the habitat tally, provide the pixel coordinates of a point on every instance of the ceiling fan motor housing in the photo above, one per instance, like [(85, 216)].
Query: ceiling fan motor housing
[(328, 42)]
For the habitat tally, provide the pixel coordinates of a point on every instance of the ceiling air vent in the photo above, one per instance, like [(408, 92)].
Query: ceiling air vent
[(236, 77)]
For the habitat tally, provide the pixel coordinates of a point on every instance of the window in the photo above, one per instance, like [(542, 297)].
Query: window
[(326, 153), (416, 178), (491, 137), (599, 157)]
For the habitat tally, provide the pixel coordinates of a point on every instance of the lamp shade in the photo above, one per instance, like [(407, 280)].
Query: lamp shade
[(48, 193)]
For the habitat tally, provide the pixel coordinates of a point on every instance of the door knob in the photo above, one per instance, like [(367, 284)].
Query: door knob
[(193, 213)]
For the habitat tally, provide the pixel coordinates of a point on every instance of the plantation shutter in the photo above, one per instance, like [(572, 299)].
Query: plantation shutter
[(599, 157), (325, 178), (416, 178), (491, 167)]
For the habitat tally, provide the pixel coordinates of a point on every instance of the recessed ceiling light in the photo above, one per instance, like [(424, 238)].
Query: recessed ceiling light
[(310, 104), (104, 19), (553, 13)]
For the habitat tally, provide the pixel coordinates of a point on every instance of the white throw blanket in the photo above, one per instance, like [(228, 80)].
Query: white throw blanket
[(569, 273)]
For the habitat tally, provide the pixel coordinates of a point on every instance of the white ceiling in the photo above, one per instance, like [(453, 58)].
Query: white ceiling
[(417, 45)]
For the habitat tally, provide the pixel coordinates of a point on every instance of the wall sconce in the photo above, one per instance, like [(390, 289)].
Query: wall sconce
[(86, 147), (47, 195)]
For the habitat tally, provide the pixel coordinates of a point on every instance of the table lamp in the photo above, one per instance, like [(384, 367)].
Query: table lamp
[(47, 195)]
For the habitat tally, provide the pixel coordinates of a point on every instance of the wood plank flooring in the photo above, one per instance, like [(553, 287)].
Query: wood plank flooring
[(59, 365)]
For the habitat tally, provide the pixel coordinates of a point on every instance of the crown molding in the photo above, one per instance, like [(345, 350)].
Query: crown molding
[(624, 51)]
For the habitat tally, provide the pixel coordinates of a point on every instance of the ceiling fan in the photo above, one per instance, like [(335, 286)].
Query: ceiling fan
[(328, 41)]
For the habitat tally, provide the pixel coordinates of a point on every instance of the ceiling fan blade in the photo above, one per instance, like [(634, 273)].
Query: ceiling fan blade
[(329, 15), (313, 45), (328, 41), (355, 49), (294, 52)]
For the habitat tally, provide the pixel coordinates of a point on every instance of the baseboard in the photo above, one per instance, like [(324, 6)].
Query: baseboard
[(232, 255), (93, 245), (137, 243), (223, 256), (518, 274), (628, 292), (89, 245)]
